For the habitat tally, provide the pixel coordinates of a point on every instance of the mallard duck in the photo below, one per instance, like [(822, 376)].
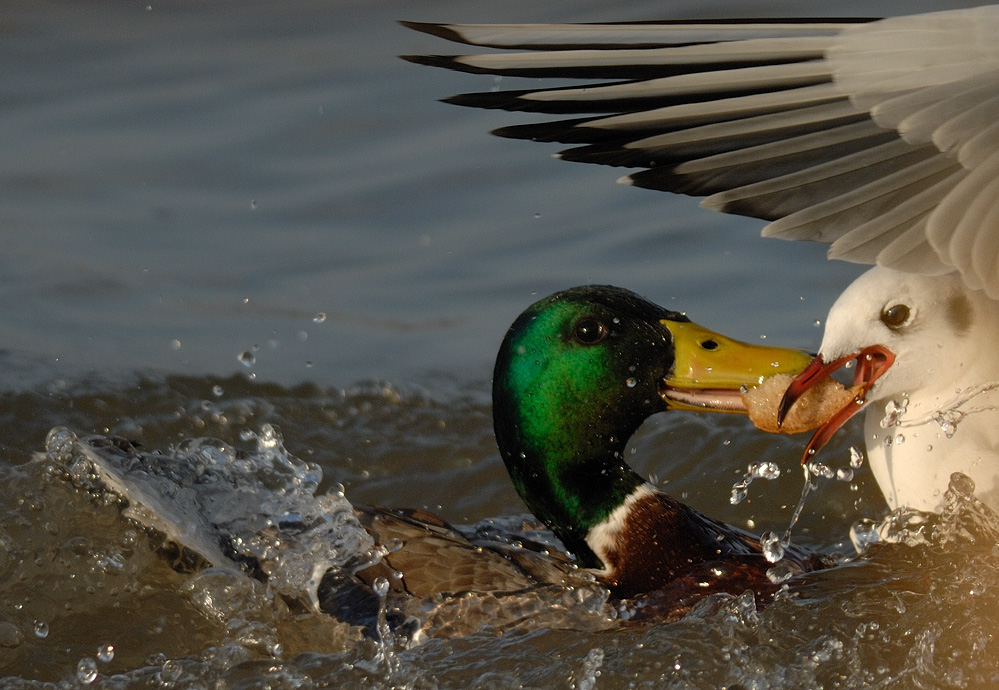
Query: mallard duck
[(877, 137), (576, 375)]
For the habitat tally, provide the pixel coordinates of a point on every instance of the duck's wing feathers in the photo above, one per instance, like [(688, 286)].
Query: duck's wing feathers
[(425, 556), (877, 137)]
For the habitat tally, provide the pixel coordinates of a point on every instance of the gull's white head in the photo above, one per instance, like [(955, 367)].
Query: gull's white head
[(927, 363), (932, 325)]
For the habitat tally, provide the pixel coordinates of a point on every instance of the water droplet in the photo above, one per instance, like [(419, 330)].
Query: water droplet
[(320, 317), (864, 534), (773, 550), (105, 653), (765, 470), (171, 672), (894, 409), (253, 204), (948, 421), (781, 572), (738, 496), (86, 671), (59, 444), (631, 382), (856, 457), (590, 670), (174, 344), (899, 439), (820, 469), (844, 474), (128, 539), (41, 629), (961, 484), (247, 358), (817, 323)]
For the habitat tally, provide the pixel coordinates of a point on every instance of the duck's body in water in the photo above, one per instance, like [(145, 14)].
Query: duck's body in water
[(576, 375)]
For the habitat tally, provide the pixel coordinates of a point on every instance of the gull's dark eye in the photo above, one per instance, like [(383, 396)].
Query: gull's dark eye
[(589, 331), (895, 316)]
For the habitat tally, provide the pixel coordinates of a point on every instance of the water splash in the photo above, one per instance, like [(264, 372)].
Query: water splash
[(773, 549), (964, 517), (756, 470), (894, 410), (856, 458), (86, 671), (948, 421), (782, 572), (901, 526), (105, 653), (590, 669), (947, 414), (820, 469), (385, 653), (809, 486), (225, 505)]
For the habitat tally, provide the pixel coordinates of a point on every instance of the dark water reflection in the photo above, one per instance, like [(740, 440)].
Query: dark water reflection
[(187, 182)]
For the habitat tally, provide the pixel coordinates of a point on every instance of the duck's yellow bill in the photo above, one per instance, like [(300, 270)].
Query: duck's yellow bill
[(712, 370)]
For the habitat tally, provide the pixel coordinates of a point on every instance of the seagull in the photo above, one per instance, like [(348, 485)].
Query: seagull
[(929, 376), (876, 137)]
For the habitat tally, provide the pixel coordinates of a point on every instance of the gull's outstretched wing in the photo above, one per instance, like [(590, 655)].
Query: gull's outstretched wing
[(880, 138)]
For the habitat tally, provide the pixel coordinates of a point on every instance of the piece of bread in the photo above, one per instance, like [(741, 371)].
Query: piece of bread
[(813, 409)]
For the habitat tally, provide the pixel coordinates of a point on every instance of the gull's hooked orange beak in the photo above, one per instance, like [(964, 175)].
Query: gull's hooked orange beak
[(872, 363)]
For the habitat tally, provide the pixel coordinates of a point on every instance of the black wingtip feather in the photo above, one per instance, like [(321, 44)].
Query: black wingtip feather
[(440, 30), (445, 61), (571, 131), (517, 101)]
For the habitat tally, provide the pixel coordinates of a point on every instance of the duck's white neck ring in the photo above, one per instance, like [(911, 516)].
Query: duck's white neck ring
[(605, 537)]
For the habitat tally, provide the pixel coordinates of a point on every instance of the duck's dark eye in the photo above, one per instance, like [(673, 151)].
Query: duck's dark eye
[(710, 345), (589, 331), (895, 316)]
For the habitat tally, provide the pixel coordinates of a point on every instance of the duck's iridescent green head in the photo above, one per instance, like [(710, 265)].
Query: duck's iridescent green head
[(578, 373)]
